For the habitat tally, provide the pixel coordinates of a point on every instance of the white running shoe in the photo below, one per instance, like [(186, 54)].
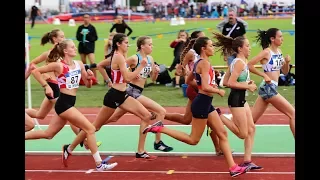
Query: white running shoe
[(228, 116), (105, 167)]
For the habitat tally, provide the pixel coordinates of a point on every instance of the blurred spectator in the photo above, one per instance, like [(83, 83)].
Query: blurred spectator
[(34, 12), (121, 26), (225, 21), (233, 28), (178, 45), (87, 35)]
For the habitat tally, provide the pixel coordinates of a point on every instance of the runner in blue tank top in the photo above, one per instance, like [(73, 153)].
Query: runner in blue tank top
[(202, 110)]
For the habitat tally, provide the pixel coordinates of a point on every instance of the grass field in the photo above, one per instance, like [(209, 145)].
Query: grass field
[(162, 53)]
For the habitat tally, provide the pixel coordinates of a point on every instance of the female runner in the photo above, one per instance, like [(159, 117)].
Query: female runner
[(238, 79), (202, 110), (272, 61), (69, 73), (117, 95), (187, 59), (136, 86), (55, 37)]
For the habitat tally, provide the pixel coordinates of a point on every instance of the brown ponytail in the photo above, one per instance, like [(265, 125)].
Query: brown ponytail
[(48, 37), (57, 52), (186, 50)]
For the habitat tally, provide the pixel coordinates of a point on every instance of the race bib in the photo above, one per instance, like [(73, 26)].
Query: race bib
[(277, 62), (146, 71), (73, 79)]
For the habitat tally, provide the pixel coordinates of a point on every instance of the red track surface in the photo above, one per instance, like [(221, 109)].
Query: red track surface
[(271, 116), (190, 168)]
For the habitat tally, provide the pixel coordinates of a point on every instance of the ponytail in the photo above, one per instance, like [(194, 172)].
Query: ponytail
[(55, 54), (48, 37), (111, 53), (186, 49), (45, 39), (262, 39), (224, 44)]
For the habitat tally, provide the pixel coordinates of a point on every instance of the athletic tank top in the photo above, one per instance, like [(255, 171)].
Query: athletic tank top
[(146, 71), (196, 57), (116, 74), (275, 62), (244, 75), (211, 80), (70, 78)]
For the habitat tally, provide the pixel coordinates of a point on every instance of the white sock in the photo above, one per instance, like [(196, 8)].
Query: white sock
[(96, 157), (69, 150)]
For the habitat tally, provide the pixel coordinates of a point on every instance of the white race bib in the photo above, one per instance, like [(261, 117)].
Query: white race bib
[(278, 62), (145, 72), (73, 79)]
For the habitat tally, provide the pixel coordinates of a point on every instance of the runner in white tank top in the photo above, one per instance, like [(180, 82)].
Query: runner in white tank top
[(272, 62)]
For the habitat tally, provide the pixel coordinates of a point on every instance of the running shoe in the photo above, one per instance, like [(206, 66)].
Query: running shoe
[(160, 146), (238, 170), (104, 166), (251, 166), (65, 155), (145, 155), (154, 128)]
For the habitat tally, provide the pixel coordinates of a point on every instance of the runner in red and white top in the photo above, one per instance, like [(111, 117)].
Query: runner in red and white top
[(70, 72), (117, 95), (54, 37)]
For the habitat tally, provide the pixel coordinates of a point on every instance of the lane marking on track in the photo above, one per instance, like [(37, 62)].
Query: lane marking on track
[(177, 125), (170, 154), (170, 172), (90, 114), (89, 171), (155, 172)]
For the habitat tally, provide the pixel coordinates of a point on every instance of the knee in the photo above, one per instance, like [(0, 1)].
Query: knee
[(29, 127), (49, 135), (162, 113), (243, 134), (41, 116), (91, 129), (291, 115), (251, 129), (194, 141), (147, 116)]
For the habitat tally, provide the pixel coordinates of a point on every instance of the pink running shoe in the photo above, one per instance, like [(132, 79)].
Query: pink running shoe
[(154, 128), (238, 170)]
